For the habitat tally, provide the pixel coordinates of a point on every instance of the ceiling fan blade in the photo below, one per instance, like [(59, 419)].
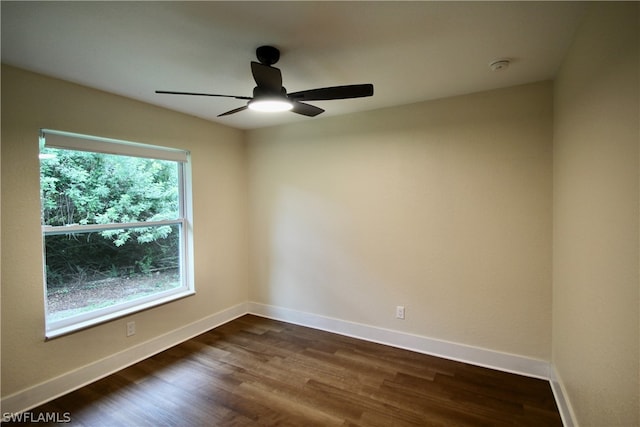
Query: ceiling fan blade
[(201, 94), (306, 109), (267, 78), (235, 110), (335, 92)]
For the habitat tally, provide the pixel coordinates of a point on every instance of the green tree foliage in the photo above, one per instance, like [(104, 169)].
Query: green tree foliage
[(90, 188)]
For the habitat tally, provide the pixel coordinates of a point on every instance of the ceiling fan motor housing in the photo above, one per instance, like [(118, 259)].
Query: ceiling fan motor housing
[(259, 92)]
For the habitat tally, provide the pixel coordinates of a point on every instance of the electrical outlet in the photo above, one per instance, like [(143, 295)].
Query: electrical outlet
[(400, 312), (131, 328)]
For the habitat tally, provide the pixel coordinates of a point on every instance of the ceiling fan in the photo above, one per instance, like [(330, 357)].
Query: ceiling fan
[(270, 95)]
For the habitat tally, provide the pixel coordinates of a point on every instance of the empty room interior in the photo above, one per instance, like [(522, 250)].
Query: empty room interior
[(470, 191)]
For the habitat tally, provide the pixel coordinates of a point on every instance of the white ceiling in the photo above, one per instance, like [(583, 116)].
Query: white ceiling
[(410, 51)]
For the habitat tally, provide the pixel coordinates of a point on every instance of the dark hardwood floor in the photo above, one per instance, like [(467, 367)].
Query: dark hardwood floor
[(260, 372)]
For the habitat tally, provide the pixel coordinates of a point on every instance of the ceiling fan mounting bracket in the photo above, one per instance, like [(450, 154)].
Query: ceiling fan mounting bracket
[(267, 55)]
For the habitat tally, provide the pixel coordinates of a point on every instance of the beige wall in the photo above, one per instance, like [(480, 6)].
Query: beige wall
[(442, 206), (30, 102), (596, 216)]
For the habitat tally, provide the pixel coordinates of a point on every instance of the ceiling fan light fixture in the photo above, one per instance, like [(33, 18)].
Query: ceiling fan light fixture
[(270, 105)]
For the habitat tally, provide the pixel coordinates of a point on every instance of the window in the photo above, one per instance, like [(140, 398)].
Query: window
[(115, 228)]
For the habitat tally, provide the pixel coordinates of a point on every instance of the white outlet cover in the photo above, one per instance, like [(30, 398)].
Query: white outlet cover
[(131, 328)]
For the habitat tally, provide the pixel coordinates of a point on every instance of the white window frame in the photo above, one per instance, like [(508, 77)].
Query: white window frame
[(79, 142)]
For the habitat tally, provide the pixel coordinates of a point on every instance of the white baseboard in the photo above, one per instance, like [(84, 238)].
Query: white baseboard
[(63, 384), (448, 350), (564, 406)]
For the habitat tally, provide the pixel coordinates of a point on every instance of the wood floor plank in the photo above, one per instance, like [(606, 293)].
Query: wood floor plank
[(254, 371)]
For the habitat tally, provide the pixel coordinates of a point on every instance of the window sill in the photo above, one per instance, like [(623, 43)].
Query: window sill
[(56, 332)]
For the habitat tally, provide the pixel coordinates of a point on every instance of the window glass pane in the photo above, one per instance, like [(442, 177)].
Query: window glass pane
[(90, 271), (115, 228), (80, 187)]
